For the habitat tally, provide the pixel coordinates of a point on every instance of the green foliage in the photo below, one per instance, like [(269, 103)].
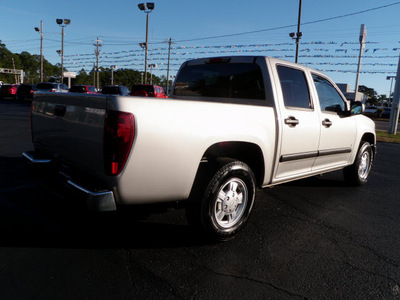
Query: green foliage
[(31, 66)]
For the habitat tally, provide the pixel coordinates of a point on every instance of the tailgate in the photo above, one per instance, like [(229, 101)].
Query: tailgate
[(70, 127)]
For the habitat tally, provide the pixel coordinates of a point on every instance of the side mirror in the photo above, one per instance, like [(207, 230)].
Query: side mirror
[(356, 108)]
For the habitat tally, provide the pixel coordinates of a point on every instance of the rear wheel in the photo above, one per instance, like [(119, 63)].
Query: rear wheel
[(221, 206), (358, 173)]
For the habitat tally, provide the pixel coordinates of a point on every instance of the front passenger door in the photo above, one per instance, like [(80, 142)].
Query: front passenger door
[(338, 130)]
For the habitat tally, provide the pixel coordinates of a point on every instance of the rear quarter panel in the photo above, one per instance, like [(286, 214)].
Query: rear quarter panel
[(172, 136)]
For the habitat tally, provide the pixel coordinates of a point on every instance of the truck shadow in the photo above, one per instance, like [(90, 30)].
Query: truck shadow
[(33, 216)]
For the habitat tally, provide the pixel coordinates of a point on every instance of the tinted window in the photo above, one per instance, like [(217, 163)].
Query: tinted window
[(46, 86), (77, 89), (146, 88), (223, 80), (294, 87), (110, 90), (329, 98)]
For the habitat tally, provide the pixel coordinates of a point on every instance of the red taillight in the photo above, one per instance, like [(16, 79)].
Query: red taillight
[(52, 90), (119, 131)]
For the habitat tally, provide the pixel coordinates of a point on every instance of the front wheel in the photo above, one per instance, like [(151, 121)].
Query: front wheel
[(358, 173), (222, 207)]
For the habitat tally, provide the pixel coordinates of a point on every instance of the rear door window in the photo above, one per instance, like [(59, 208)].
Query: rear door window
[(294, 88)]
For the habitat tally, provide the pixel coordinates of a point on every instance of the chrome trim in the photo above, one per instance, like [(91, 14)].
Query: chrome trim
[(97, 201), (32, 159)]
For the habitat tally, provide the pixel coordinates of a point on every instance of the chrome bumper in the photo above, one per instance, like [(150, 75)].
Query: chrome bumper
[(96, 201)]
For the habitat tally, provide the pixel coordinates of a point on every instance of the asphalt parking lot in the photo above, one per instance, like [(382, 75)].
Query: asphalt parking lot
[(311, 239)]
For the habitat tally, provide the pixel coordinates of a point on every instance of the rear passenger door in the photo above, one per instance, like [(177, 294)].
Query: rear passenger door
[(338, 130), (299, 123)]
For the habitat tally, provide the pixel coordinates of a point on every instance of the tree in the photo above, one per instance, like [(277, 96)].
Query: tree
[(371, 94)]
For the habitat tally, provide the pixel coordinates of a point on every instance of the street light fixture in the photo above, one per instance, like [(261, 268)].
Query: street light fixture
[(151, 66), (147, 8), (62, 23), (112, 73), (40, 31)]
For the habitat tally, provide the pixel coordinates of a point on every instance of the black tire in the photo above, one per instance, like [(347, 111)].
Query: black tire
[(358, 173), (221, 205)]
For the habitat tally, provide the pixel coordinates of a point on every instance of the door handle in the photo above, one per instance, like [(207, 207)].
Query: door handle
[(327, 123), (291, 121)]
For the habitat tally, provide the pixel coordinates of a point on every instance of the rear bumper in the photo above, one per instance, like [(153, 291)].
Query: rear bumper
[(96, 200)]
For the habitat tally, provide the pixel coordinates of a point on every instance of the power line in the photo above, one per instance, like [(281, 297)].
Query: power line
[(289, 26)]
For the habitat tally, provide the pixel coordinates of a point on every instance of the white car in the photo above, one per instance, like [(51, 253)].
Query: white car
[(52, 87)]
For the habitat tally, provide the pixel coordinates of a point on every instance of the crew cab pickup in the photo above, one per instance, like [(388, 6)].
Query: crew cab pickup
[(231, 125)]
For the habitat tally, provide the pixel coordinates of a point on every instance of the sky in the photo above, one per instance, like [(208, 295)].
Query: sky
[(204, 28)]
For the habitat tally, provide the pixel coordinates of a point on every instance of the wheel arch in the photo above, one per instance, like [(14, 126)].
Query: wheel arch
[(249, 153), (370, 138)]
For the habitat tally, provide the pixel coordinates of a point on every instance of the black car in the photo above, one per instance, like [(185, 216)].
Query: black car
[(115, 90), (25, 91)]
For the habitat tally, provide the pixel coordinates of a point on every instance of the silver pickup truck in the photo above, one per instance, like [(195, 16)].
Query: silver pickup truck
[(231, 125)]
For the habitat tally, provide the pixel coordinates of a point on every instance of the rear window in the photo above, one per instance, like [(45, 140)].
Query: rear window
[(232, 80), (26, 87), (78, 89), (46, 86), (146, 88), (113, 90)]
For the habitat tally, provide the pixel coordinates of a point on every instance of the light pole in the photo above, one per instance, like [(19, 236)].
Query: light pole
[(112, 73), (297, 35), (391, 83), (363, 38), (62, 23), (151, 66), (40, 31), (147, 8)]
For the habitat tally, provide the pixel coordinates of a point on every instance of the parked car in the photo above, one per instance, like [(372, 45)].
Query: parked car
[(147, 90), (52, 87), (385, 114), (370, 111), (84, 89), (8, 91), (25, 91), (115, 90)]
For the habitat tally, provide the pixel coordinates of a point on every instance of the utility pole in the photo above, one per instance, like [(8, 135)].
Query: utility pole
[(394, 114), (16, 81), (97, 53), (363, 38), (169, 57)]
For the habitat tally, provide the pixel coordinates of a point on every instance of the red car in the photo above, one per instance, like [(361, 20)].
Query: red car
[(85, 89), (9, 91), (147, 90)]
